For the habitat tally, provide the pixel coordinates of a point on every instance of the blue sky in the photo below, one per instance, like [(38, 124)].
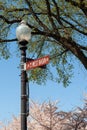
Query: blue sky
[(69, 97)]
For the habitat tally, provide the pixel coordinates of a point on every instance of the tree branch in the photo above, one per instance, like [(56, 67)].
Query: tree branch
[(73, 27), (58, 12), (17, 9), (8, 21), (7, 40), (74, 48), (57, 55), (35, 16), (50, 15), (82, 47), (81, 5), (45, 126)]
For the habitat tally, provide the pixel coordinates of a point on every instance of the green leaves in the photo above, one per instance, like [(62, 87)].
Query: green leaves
[(57, 30), (4, 51)]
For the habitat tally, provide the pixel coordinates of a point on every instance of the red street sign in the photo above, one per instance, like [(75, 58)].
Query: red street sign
[(36, 63)]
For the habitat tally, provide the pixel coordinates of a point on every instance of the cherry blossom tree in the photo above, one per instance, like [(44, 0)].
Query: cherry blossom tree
[(77, 119), (47, 116)]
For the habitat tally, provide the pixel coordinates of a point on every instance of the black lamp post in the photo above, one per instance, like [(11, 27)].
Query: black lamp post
[(23, 34)]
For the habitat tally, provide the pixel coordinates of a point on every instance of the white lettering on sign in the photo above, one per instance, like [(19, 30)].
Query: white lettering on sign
[(36, 63)]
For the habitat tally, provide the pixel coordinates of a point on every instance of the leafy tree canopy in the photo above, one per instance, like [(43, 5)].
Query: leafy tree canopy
[(58, 28)]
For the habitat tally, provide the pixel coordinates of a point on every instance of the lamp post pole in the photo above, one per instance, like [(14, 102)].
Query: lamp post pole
[(23, 34), (23, 48)]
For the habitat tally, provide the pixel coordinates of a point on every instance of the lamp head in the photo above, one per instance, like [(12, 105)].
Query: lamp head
[(23, 32)]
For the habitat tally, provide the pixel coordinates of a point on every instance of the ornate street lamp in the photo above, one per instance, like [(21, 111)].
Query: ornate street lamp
[(23, 34)]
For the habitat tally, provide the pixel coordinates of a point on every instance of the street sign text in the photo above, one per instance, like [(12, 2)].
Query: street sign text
[(36, 63)]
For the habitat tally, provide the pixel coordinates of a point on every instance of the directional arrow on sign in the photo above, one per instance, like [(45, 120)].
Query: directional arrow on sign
[(36, 63)]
